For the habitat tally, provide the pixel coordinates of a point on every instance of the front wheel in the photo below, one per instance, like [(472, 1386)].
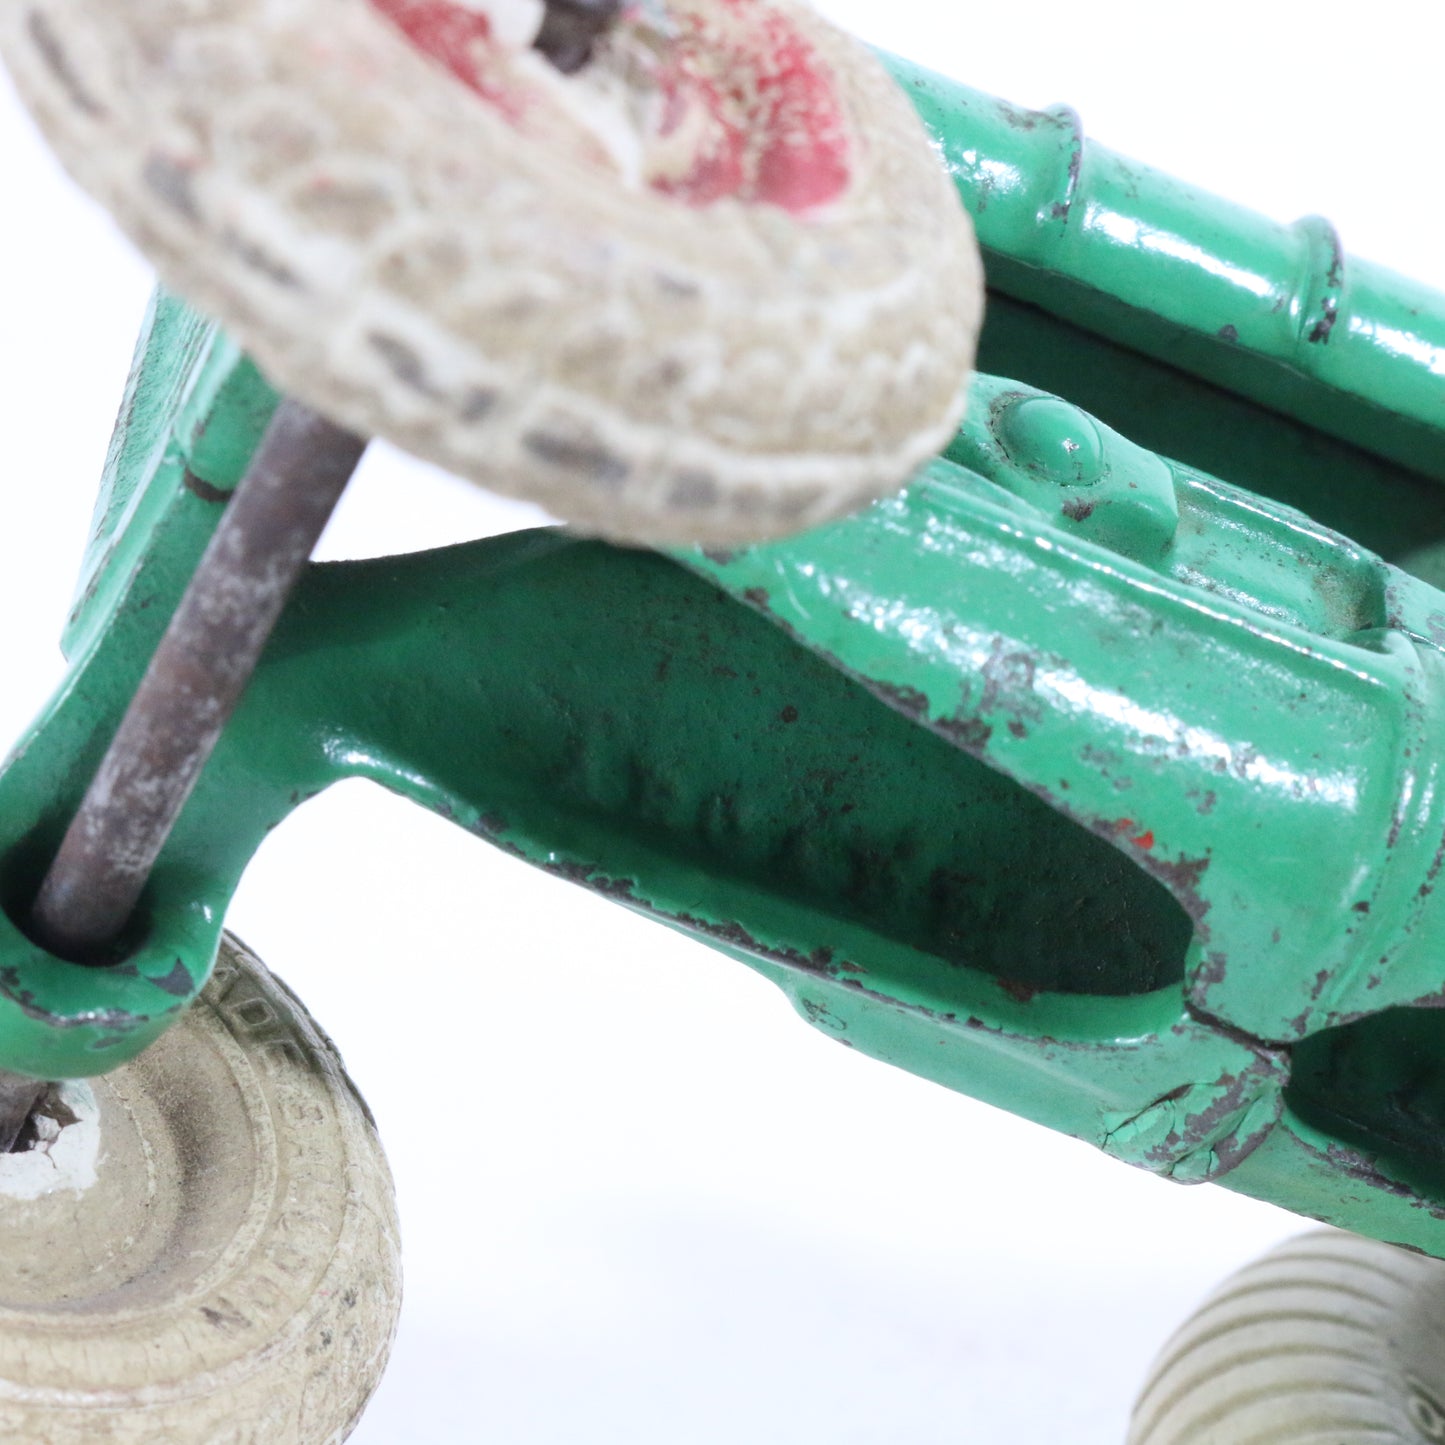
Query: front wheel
[(201, 1247)]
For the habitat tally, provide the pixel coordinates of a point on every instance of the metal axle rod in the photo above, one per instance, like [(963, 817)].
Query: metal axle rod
[(194, 681), (215, 639)]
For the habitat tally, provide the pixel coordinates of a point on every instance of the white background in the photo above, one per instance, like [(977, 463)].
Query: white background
[(643, 1202)]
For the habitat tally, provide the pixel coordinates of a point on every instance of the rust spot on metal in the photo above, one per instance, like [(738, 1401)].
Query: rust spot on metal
[(907, 700), (1019, 992), (1212, 970), (789, 714), (971, 734), (1271, 1049), (1326, 287), (1319, 333), (820, 1016), (1410, 1248), (592, 878), (1079, 509), (118, 1021), (1024, 120), (1212, 1133), (1105, 761), (1183, 878), (1359, 1166), (1428, 886), (1231, 1151), (1066, 117), (1008, 684), (735, 935)]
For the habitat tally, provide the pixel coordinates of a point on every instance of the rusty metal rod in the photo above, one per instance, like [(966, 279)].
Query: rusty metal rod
[(202, 665)]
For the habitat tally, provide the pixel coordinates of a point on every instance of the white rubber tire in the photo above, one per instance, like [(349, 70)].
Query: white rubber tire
[(208, 1254), (523, 298), (1328, 1340)]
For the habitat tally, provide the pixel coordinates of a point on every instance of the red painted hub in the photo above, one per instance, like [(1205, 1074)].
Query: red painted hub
[(744, 106)]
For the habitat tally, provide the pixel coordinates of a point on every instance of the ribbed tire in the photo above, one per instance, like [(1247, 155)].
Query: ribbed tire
[(1328, 1340), (202, 1250)]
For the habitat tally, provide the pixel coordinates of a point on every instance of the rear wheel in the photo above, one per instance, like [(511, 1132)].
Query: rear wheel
[(1328, 1340), (200, 1247)]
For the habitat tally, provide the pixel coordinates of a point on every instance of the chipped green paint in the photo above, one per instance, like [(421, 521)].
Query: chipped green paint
[(1199, 1132), (1235, 715), (1076, 777)]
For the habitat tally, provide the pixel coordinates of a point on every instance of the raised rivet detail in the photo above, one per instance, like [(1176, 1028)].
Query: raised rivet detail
[(1051, 440)]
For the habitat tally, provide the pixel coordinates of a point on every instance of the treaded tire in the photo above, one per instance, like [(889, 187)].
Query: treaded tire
[(207, 1253), (1329, 1339), (500, 273)]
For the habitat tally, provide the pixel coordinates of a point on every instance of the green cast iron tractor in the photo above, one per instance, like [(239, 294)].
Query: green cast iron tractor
[(1160, 630)]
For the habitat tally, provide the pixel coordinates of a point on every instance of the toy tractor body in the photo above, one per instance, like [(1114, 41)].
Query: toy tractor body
[(1087, 776), (1097, 774)]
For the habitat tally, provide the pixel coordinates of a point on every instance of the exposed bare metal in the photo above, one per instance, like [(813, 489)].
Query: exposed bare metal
[(203, 662)]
